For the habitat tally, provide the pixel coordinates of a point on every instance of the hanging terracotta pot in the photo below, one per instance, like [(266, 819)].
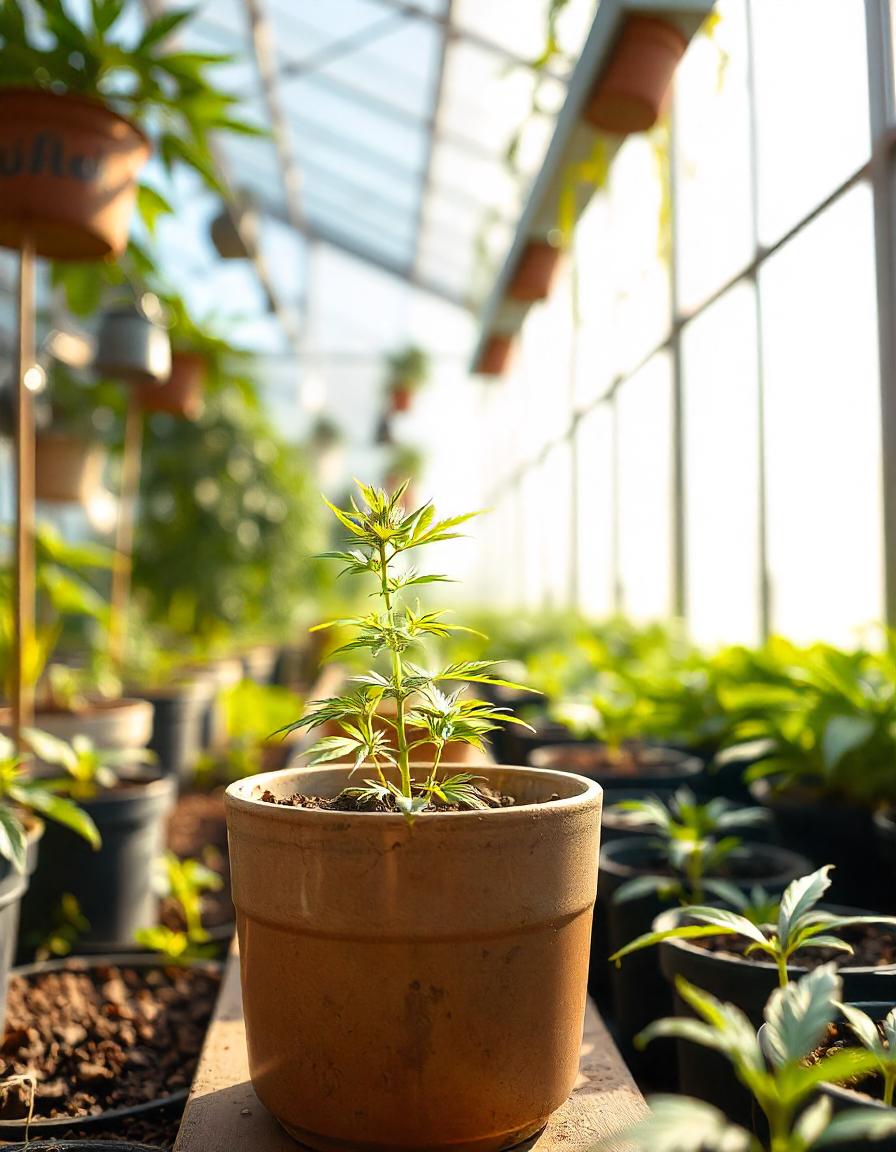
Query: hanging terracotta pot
[(132, 348), (535, 273), (68, 168), (496, 355), (400, 397), (631, 94), (68, 469), (181, 393)]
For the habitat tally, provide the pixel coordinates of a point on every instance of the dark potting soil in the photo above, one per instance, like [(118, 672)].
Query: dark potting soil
[(874, 946), (102, 1037), (197, 829), (351, 803), (158, 1130), (838, 1037)]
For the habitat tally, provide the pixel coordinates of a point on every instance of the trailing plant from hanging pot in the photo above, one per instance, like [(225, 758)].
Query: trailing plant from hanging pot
[(76, 96), (406, 373), (375, 831)]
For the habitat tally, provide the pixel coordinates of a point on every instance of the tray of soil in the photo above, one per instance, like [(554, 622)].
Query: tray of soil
[(865, 1092), (197, 830), (634, 766), (720, 966), (105, 1040)]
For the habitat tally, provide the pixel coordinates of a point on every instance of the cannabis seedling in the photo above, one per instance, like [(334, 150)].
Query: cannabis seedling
[(796, 1019), (799, 924), (20, 795), (882, 1046), (421, 714), (184, 881), (690, 840)]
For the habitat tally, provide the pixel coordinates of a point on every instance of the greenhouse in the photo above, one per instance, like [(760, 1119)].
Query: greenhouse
[(448, 575)]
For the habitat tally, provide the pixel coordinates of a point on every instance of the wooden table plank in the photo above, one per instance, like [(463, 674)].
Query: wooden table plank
[(224, 1113)]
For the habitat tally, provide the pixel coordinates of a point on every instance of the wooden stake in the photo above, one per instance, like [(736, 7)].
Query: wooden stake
[(23, 685), (124, 532)]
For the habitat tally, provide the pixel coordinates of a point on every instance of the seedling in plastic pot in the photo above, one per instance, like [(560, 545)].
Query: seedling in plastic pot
[(800, 924)]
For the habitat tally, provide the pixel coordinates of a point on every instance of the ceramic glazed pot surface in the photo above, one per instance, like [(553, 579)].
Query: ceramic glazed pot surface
[(68, 169), (414, 987)]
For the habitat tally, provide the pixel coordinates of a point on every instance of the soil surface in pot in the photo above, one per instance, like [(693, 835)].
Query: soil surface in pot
[(102, 1037), (157, 1130), (197, 829), (346, 802), (838, 1037), (874, 946)]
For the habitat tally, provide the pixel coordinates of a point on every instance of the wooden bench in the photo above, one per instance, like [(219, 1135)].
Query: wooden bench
[(223, 1112)]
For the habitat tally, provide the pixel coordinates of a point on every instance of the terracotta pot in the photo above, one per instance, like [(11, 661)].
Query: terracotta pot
[(535, 274), (132, 348), (68, 169), (414, 987), (400, 398), (632, 93), (125, 723), (496, 356), (181, 393), (67, 469)]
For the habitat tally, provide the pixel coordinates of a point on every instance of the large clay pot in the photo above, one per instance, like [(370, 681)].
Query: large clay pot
[(181, 393), (632, 93), (122, 723), (535, 274), (414, 986), (131, 347), (68, 169), (67, 469)]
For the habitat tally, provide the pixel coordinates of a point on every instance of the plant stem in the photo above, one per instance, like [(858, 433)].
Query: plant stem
[(781, 961), (889, 1086), (397, 677)]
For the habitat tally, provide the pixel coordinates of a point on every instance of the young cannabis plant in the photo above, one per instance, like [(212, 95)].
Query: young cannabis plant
[(880, 1042), (184, 881), (779, 1079), (20, 795), (690, 840), (418, 711), (799, 924)]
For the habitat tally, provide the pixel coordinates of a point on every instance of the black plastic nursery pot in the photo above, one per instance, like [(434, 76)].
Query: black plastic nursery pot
[(655, 769), (13, 886), (178, 717), (49, 1127), (638, 992), (113, 885), (747, 984), (848, 1098), (829, 830)]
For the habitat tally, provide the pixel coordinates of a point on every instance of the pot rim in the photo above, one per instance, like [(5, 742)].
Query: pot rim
[(92, 102), (235, 795), (669, 917), (125, 960)]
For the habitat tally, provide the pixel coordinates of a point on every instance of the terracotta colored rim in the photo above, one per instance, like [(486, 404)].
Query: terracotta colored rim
[(76, 98), (237, 794)]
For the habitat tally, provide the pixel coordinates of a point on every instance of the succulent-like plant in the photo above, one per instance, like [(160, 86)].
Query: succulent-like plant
[(691, 840), (419, 713), (20, 795), (799, 924), (780, 1080)]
